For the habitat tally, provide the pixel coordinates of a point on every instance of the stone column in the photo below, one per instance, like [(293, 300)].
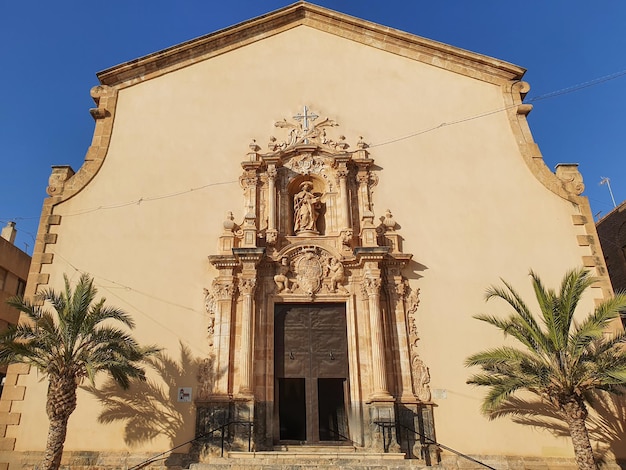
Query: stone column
[(381, 409), (379, 368), (396, 289), (249, 182), (343, 194), (271, 219), (223, 316), (362, 179), (222, 293), (246, 288), (249, 259), (363, 162)]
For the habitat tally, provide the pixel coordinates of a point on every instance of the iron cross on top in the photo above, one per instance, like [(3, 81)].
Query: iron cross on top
[(305, 117)]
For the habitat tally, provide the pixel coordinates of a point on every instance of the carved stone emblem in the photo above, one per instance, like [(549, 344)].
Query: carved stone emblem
[(305, 131), (306, 164), (309, 271)]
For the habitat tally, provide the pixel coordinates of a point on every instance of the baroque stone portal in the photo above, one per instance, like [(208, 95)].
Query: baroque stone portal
[(308, 244)]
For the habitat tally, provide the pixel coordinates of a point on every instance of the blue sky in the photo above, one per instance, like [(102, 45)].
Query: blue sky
[(50, 52)]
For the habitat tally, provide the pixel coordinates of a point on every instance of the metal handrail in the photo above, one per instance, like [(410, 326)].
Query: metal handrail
[(386, 426), (432, 441), (345, 438), (222, 427)]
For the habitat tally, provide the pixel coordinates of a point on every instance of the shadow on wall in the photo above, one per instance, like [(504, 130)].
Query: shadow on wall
[(151, 408), (606, 422)]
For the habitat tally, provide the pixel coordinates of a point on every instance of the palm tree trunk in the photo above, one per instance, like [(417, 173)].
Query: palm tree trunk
[(575, 415), (54, 445), (60, 404)]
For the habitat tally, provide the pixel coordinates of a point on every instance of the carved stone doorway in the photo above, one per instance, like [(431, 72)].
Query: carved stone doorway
[(311, 371)]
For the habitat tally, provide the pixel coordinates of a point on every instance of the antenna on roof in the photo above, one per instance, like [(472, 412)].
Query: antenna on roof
[(607, 181)]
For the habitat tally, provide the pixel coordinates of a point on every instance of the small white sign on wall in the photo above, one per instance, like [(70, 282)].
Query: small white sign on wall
[(184, 394)]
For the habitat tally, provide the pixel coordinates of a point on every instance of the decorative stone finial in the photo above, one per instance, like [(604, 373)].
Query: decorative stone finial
[(388, 221), (229, 223)]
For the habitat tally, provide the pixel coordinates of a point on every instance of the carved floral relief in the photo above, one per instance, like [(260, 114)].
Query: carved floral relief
[(421, 374)]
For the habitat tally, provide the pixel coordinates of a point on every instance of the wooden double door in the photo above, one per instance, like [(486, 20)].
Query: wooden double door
[(311, 371)]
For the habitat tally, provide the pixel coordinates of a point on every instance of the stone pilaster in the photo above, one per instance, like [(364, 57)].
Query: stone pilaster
[(248, 259), (272, 233), (247, 287), (396, 292), (222, 292)]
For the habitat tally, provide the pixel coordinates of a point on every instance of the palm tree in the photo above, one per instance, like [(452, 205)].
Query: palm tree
[(76, 342), (562, 360)]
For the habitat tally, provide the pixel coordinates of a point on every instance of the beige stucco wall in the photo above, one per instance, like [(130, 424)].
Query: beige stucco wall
[(469, 208)]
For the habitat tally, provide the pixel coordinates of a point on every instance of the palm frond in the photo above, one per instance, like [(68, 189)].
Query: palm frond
[(78, 337), (546, 299), (500, 390), (562, 361), (526, 325), (499, 356), (574, 284), (595, 326)]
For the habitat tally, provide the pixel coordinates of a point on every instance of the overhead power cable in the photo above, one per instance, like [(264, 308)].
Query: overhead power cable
[(98, 281), (549, 95)]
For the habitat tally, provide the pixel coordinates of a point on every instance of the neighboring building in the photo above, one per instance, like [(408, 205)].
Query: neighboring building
[(612, 233), (14, 264), (321, 286)]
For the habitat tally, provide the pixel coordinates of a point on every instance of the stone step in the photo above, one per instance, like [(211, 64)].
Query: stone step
[(229, 464), (309, 458), (314, 455), (320, 449)]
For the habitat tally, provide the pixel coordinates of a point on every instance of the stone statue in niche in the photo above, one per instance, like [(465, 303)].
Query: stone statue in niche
[(306, 209), (281, 280)]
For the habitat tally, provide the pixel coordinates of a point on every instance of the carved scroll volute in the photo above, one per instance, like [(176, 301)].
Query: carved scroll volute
[(571, 178), (421, 374)]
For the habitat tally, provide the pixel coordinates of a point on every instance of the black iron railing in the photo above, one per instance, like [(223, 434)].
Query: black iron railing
[(221, 428), (341, 437), (425, 440)]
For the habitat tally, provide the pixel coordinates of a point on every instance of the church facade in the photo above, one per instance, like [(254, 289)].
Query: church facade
[(303, 211)]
